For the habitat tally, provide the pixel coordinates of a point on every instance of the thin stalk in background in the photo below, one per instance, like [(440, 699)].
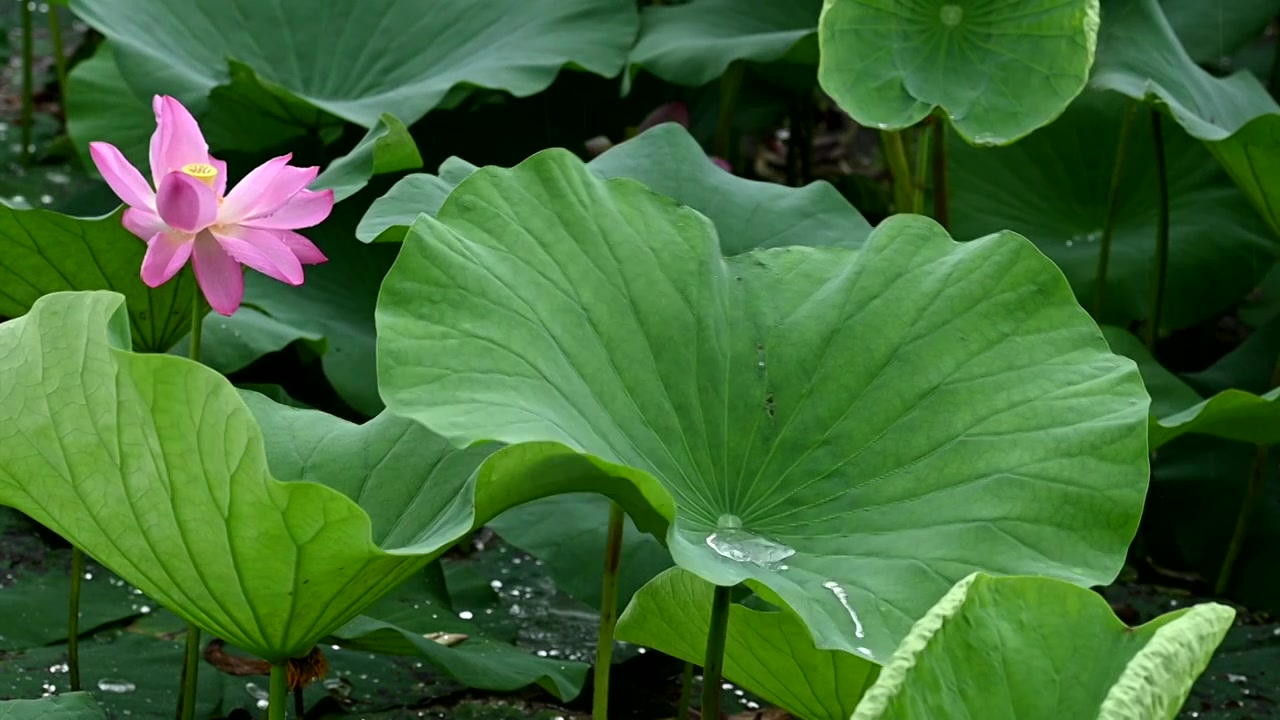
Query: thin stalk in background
[(895, 155), (299, 703), (73, 617), (713, 665), (686, 692), (278, 697), (59, 56), (941, 187), (1161, 267), (730, 84), (191, 659), (608, 613), (1273, 77), (923, 135), (28, 81), (1109, 221), (1248, 507)]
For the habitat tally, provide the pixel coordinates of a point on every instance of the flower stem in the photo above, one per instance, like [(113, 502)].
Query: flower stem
[(608, 613), (1252, 495), (28, 81), (730, 84), (896, 157), (941, 191), (59, 56), (922, 164), (1161, 267), (277, 708), (1109, 221), (73, 618), (191, 659), (713, 664), (686, 692)]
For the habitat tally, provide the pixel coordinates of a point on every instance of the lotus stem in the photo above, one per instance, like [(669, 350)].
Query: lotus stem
[(59, 56), (941, 189), (713, 665), (73, 618), (28, 81), (1161, 268), (608, 613), (922, 165), (686, 692), (278, 697), (1252, 495), (896, 157), (191, 659), (730, 84), (1109, 221)]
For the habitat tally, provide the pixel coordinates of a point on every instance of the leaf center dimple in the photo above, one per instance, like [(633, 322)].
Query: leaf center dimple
[(951, 15)]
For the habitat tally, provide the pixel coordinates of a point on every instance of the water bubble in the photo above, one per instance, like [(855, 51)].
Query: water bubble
[(843, 596), (116, 686), (88, 576), (495, 584), (739, 545), (60, 668), (466, 615), (257, 693)]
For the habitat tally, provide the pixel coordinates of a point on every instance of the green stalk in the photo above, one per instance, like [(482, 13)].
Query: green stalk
[(279, 693), (1252, 496), (922, 165), (608, 613), (713, 665), (1273, 77), (1161, 269), (730, 84), (191, 659), (686, 692), (59, 57), (896, 157), (73, 617), (941, 189), (1109, 222), (28, 83)]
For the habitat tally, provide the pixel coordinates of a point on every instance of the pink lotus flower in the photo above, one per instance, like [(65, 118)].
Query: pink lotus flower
[(191, 216)]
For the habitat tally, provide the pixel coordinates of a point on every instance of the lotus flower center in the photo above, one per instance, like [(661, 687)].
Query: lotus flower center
[(204, 172)]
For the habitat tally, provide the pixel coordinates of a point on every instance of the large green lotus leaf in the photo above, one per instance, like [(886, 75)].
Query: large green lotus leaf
[(1052, 187), (693, 43), (358, 59), (748, 214), (1002, 647), (769, 654), (998, 70), (1211, 30), (386, 148), (568, 533), (156, 467), (1176, 408), (402, 623), (42, 252), (100, 106), (1140, 56), (69, 706), (831, 423)]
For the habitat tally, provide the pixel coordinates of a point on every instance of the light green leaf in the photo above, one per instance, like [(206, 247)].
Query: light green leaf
[(998, 70), (42, 252), (68, 706), (1140, 56), (830, 423), (1052, 187), (359, 59), (386, 148), (156, 468), (568, 533), (748, 214), (400, 623), (1001, 647), (693, 43), (768, 653)]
